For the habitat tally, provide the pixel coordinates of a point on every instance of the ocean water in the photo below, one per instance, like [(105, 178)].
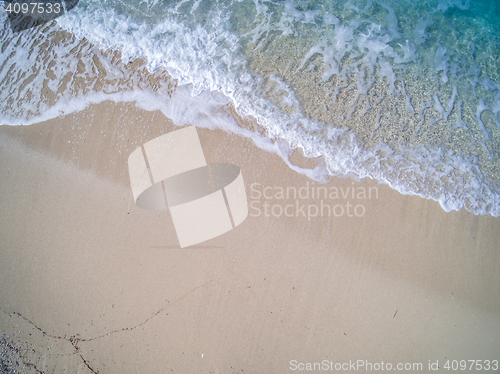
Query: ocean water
[(405, 92)]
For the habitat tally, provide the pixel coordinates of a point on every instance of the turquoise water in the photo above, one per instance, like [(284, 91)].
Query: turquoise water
[(405, 92)]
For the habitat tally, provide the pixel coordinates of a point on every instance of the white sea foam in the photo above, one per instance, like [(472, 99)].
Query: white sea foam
[(444, 5), (441, 63)]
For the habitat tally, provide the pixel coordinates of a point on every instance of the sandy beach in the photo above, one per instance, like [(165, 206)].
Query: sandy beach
[(93, 284)]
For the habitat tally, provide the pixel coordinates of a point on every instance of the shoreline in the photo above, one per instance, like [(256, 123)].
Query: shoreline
[(96, 75), (406, 282)]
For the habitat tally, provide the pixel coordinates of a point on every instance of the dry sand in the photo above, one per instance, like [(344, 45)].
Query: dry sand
[(93, 284)]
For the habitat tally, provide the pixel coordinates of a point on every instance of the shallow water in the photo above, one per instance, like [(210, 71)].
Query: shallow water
[(404, 92)]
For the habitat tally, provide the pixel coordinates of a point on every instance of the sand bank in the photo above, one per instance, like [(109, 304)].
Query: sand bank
[(91, 283)]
